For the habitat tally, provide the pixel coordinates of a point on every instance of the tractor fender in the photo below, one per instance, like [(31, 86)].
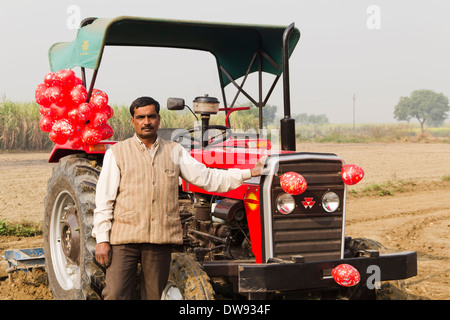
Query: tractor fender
[(61, 150)]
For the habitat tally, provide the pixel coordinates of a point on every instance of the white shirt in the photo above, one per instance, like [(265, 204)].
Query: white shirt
[(191, 171)]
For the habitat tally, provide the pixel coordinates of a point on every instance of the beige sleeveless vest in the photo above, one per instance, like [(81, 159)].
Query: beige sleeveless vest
[(146, 207)]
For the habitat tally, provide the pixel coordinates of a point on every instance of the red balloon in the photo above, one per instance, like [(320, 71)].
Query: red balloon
[(91, 135), (78, 94), (46, 123), (99, 99), (68, 102), (293, 183), (106, 131), (40, 96), (77, 81), (85, 111), (72, 115), (51, 80), (346, 275), (54, 94), (63, 127), (76, 141), (59, 139), (351, 174), (66, 77), (97, 92), (58, 111), (98, 119), (44, 111), (108, 111), (79, 127)]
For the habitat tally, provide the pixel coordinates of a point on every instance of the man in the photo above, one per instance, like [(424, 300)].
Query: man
[(136, 216)]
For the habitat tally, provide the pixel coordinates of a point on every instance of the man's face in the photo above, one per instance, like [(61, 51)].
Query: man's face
[(145, 122)]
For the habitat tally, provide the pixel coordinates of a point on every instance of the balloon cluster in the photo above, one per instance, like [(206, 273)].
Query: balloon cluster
[(67, 116)]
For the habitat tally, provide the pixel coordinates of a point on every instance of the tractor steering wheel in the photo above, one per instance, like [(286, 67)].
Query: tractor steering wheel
[(189, 138)]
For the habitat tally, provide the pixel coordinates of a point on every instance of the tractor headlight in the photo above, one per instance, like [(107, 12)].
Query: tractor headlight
[(330, 201), (285, 203)]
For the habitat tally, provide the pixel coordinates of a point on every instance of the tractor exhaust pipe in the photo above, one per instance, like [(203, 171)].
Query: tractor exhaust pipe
[(287, 124)]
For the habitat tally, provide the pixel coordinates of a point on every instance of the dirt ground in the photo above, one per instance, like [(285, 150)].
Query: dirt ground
[(416, 220)]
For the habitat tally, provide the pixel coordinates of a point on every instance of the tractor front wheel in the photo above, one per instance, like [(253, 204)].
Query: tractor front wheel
[(386, 290), (187, 280)]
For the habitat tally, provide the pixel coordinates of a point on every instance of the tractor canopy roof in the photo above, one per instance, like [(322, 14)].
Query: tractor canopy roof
[(233, 45)]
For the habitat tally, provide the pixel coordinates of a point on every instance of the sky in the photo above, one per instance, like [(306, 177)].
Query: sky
[(354, 60)]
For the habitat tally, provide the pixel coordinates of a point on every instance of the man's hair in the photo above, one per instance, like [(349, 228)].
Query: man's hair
[(142, 102)]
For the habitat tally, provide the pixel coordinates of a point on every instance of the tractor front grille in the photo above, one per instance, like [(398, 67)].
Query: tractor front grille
[(316, 239), (309, 230)]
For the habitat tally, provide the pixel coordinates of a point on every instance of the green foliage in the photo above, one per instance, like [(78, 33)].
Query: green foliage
[(388, 188), (121, 123), (19, 127), (395, 186), (311, 119), (26, 229), (249, 119), (361, 133), (442, 131)]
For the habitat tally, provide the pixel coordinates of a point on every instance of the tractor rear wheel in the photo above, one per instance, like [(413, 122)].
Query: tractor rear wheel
[(69, 247)]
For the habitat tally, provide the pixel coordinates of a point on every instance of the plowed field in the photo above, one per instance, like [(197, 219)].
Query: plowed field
[(416, 218)]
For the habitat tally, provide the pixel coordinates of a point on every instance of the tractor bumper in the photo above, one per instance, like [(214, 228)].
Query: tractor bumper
[(298, 275)]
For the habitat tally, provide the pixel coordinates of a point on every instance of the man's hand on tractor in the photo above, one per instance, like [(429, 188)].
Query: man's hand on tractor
[(257, 170)]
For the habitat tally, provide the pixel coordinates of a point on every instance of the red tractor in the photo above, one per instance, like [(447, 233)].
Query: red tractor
[(256, 241)]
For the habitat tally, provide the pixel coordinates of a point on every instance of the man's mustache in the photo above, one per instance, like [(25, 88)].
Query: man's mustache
[(147, 127)]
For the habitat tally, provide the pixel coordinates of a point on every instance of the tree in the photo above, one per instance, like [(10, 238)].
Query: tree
[(313, 119), (422, 105), (269, 113), (301, 118), (318, 119)]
